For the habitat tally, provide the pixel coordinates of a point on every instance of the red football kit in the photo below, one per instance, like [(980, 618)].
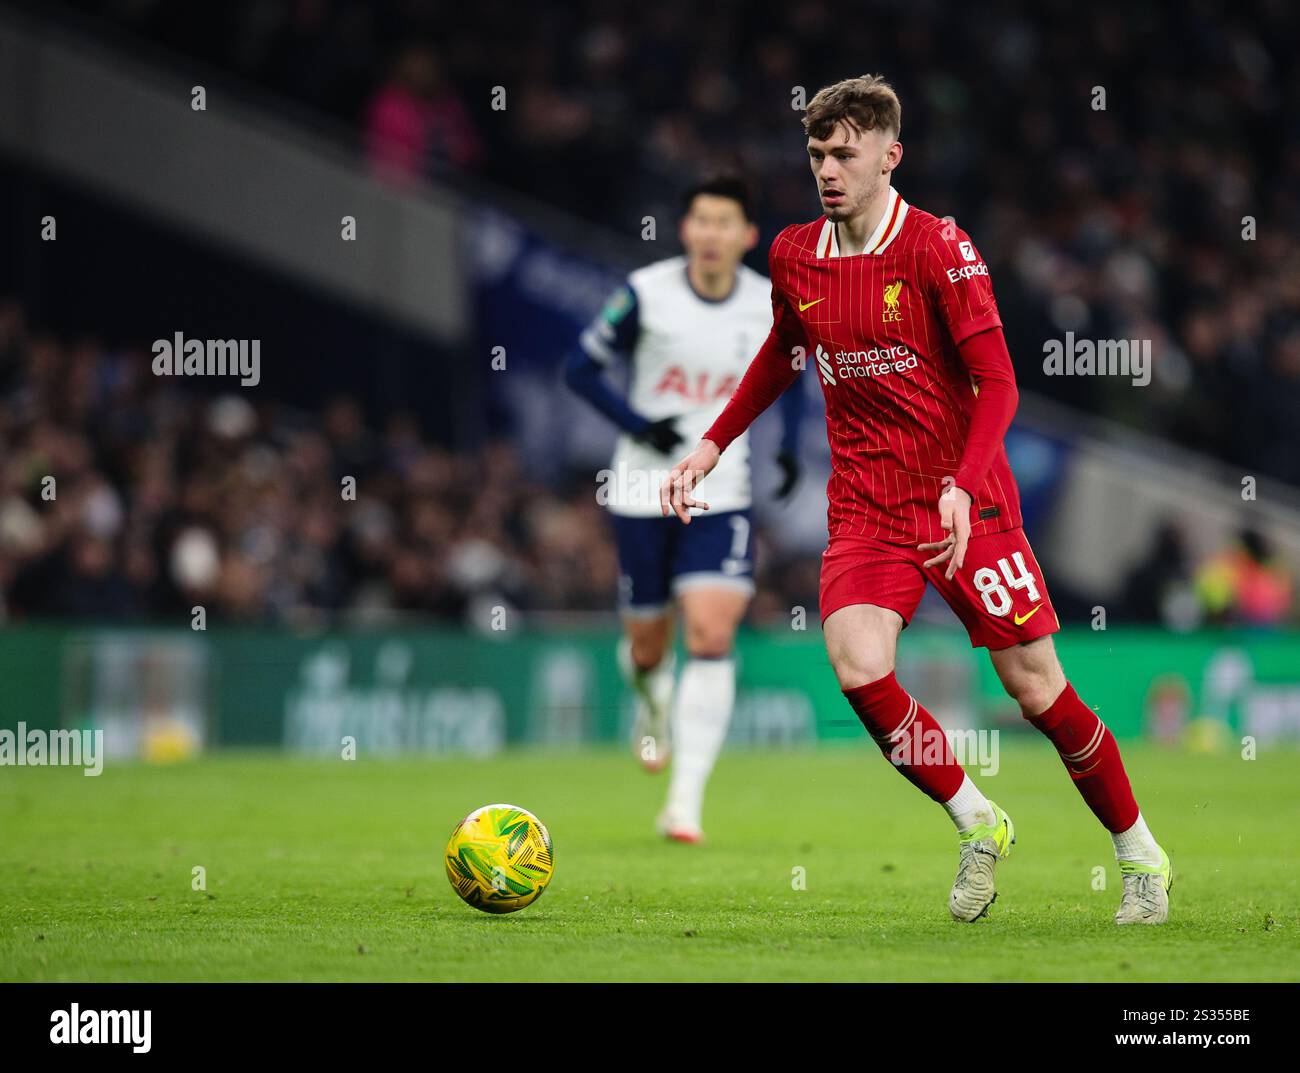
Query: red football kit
[(907, 342)]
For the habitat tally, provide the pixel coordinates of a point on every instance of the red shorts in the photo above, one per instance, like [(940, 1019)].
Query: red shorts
[(998, 594)]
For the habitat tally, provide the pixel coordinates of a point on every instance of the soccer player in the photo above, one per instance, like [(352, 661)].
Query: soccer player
[(894, 309), (688, 326)]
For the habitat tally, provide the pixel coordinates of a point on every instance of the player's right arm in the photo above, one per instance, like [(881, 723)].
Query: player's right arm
[(773, 370), (611, 335)]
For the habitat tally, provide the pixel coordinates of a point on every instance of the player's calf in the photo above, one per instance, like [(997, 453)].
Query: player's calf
[(647, 634), (706, 694), (909, 736), (1032, 675), (652, 684)]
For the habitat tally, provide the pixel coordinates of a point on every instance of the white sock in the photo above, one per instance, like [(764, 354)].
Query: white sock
[(701, 714), (1136, 844), (654, 684), (968, 807)]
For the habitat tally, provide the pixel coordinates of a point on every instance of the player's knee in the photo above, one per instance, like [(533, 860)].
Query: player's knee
[(1033, 691), (861, 666), (648, 650), (708, 640)]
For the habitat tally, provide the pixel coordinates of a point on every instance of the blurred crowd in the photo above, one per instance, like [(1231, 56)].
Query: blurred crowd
[(1243, 583), (126, 498), (123, 498), (1129, 170)]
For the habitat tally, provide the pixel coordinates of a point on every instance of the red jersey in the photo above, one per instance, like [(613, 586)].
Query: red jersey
[(884, 331)]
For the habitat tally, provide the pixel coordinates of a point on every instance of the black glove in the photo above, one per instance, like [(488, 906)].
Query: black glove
[(661, 435), (789, 463)]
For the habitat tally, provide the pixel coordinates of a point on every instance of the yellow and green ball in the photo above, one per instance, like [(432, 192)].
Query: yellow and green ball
[(499, 858)]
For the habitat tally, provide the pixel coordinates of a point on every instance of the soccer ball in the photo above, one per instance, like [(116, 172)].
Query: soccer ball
[(499, 858)]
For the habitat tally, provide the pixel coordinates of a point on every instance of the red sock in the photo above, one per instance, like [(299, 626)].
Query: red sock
[(908, 735), (1091, 756)]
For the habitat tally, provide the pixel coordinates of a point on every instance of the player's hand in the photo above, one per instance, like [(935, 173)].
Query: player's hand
[(789, 463), (662, 435), (954, 516), (676, 494)]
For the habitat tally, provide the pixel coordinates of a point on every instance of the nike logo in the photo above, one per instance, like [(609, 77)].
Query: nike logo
[(809, 305), (1022, 619)]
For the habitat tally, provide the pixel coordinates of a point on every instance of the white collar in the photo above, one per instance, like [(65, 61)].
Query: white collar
[(891, 223)]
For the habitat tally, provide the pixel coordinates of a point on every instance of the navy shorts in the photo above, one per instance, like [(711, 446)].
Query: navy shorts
[(660, 557)]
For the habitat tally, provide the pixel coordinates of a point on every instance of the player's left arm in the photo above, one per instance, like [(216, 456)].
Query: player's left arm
[(994, 377), (960, 287)]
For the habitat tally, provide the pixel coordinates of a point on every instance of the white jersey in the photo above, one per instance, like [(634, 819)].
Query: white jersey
[(688, 354)]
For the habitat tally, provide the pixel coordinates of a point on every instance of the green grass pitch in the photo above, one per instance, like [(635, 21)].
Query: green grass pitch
[(332, 870)]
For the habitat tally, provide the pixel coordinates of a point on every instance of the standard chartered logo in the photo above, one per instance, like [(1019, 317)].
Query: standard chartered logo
[(878, 361), (824, 364)]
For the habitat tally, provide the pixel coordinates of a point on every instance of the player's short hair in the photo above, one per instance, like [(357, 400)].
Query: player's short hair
[(728, 186), (865, 103)]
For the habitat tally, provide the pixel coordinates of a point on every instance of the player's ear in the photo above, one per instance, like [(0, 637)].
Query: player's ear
[(751, 236), (893, 155)]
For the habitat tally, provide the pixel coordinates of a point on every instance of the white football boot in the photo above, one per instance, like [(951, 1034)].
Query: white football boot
[(1146, 892), (672, 825), (981, 848)]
